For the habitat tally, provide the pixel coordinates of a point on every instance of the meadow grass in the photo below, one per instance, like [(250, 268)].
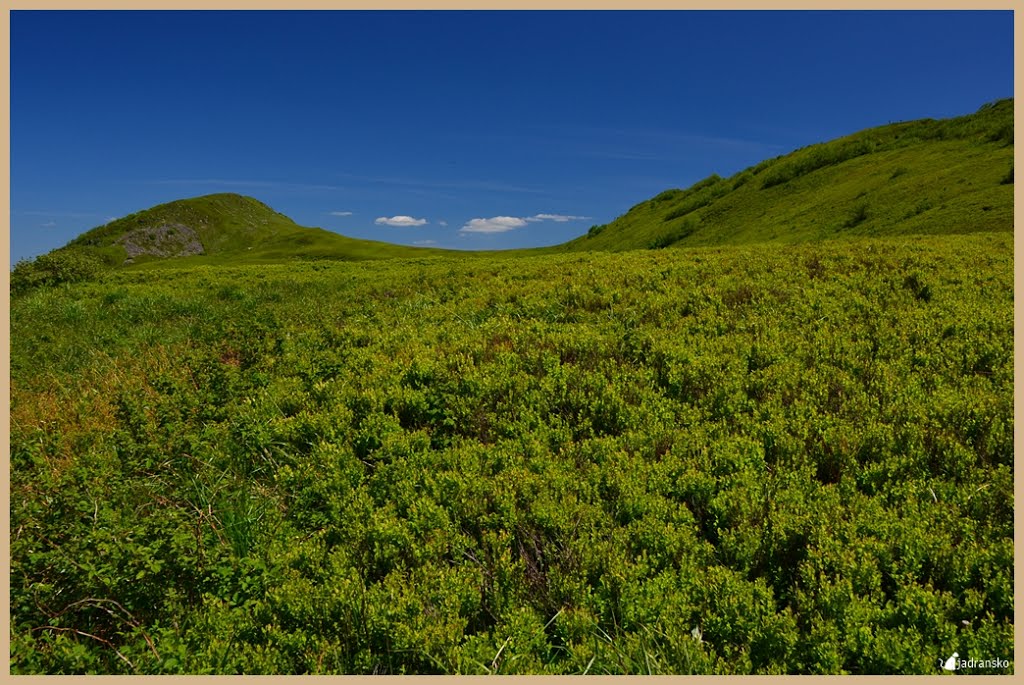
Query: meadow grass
[(746, 459)]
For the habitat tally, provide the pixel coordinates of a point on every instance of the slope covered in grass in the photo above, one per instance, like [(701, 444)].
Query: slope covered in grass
[(224, 223), (771, 459), (919, 177), (213, 229)]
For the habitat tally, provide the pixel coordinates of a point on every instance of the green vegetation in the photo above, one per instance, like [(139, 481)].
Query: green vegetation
[(67, 265), (233, 229), (781, 459), (919, 177), (263, 448)]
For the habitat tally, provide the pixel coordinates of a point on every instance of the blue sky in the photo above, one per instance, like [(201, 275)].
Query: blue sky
[(470, 130)]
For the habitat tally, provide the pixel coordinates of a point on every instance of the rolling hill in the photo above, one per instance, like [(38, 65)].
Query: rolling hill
[(225, 227), (219, 229), (951, 176), (919, 177)]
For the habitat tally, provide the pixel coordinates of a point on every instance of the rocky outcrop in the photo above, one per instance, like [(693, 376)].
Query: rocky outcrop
[(166, 240)]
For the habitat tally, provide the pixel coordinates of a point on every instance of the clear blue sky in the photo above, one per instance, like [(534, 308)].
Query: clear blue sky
[(473, 130)]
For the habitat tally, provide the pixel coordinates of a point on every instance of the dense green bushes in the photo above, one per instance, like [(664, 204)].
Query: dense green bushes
[(681, 230), (699, 195), (818, 157), (55, 268), (770, 460)]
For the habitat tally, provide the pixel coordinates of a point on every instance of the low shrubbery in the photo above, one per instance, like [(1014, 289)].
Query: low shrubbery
[(745, 460), (55, 268)]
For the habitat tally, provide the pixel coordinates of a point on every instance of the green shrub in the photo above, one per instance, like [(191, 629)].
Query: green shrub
[(673, 235), (731, 460), (816, 158), (859, 215), (54, 268), (671, 194)]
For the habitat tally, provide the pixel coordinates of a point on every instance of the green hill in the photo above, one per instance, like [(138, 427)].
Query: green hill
[(949, 176), (225, 226), (919, 177), (222, 228)]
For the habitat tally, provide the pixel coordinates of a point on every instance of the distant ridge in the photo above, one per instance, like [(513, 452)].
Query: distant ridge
[(220, 229), (920, 177), (950, 176), (224, 226)]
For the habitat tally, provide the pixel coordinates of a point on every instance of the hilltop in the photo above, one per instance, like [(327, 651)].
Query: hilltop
[(920, 177), (228, 226), (223, 228)]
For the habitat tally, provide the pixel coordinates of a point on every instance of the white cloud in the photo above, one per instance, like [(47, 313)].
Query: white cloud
[(424, 242), (560, 218), (500, 224), (340, 213), (399, 220), (442, 223), (496, 224)]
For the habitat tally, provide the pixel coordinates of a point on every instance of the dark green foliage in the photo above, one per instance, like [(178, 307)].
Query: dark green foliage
[(679, 231), (55, 268), (859, 215), (710, 181), (804, 162), (673, 194), (699, 195), (1004, 134), (781, 459)]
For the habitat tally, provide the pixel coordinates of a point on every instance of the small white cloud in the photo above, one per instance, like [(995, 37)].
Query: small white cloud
[(340, 213), (49, 224), (399, 221), (500, 224), (560, 218), (442, 223), (424, 242), (496, 224)]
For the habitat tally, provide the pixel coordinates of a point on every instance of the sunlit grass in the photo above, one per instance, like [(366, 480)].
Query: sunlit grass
[(550, 464)]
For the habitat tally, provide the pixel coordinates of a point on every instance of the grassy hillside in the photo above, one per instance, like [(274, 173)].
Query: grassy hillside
[(919, 177), (224, 223), (214, 229), (237, 228), (781, 459)]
